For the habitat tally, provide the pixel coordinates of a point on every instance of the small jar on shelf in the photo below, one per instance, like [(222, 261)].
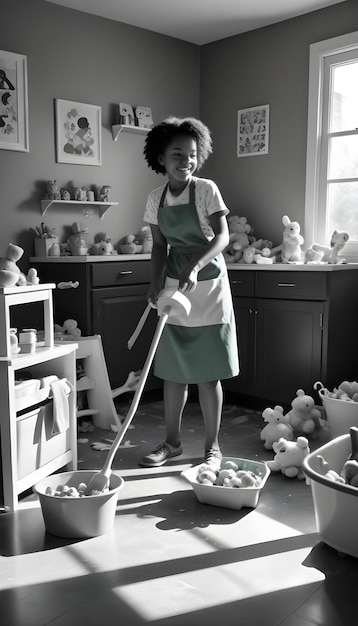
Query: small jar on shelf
[(27, 340)]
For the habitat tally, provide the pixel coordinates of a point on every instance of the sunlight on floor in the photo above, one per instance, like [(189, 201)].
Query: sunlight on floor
[(199, 589)]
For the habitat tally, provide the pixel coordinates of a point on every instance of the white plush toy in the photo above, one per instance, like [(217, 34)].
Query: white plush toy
[(277, 426), (331, 254), (291, 241), (289, 457)]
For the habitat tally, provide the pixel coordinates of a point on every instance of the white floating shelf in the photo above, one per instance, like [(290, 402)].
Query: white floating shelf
[(101, 206), (135, 130)]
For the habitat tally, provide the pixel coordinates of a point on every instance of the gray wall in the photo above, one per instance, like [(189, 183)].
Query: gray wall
[(77, 56), (266, 66)]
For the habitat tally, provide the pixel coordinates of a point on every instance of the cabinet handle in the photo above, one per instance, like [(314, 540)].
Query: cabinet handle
[(125, 272), (286, 284), (236, 282)]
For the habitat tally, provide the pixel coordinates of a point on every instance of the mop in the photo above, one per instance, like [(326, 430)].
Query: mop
[(170, 304)]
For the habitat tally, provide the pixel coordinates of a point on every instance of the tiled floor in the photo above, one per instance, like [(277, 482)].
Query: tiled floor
[(171, 561)]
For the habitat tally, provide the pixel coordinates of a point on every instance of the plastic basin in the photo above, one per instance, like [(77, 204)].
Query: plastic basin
[(84, 517)]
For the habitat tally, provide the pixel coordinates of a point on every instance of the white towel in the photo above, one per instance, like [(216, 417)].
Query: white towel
[(61, 414)]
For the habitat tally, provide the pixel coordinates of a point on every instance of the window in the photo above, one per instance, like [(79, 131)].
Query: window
[(332, 143)]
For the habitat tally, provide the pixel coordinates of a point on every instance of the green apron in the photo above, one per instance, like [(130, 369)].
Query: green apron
[(200, 347)]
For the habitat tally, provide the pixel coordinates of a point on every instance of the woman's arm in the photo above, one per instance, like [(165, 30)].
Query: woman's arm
[(189, 276), (158, 259)]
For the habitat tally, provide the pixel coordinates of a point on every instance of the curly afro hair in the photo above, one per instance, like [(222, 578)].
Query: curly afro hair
[(159, 138)]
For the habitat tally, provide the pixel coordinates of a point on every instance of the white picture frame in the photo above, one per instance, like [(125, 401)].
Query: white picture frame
[(78, 133), (253, 131), (14, 132)]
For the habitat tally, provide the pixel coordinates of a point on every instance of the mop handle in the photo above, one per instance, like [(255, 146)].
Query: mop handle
[(139, 327), (143, 378)]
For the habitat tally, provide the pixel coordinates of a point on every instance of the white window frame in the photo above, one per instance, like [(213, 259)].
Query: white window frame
[(318, 53)]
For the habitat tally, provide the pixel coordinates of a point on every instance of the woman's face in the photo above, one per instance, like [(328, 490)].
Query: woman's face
[(180, 160)]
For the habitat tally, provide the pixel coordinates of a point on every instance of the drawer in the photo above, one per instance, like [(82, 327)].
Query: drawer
[(121, 273), (36, 445), (291, 285), (242, 283)]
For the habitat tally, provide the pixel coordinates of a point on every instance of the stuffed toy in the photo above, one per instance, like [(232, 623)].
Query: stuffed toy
[(248, 255), (76, 242), (52, 190), (303, 416), (130, 244), (331, 254), (146, 239), (277, 426), (313, 257), (103, 247), (68, 332), (289, 457), (104, 194), (264, 257), (10, 273), (291, 241), (239, 230)]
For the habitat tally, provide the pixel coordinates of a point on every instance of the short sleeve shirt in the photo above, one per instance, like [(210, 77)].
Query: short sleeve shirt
[(208, 200)]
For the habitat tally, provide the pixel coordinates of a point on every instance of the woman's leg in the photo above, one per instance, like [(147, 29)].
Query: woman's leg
[(175, 397), (211, 402)]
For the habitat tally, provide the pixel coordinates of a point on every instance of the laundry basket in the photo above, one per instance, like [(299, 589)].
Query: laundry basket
[(78, 517), (335, 504), (341, 414)]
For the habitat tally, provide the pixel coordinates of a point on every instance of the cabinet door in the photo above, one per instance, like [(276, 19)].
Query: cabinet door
[(245, 328), (288, 347), (116, 312)]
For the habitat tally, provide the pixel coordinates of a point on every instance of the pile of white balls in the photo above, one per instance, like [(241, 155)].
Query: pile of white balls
[(228, 476), (65, 491)]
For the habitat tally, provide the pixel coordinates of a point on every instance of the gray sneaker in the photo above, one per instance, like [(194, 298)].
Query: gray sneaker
[(213, 458), (160, 455)]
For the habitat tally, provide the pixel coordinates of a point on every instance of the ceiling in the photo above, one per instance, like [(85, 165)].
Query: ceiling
[(197, 21)]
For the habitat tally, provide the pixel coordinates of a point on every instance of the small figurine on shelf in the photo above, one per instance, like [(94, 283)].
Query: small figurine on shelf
[(65, 194), (80, 194), (52, 191), (104, 193), (144, 117), (76, 242), (126, 114)]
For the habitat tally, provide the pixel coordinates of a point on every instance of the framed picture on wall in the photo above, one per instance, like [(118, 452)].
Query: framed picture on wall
[(253, 131), (78, 133), (14, 133)]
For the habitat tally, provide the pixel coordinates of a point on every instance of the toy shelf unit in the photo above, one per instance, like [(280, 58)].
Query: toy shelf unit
[(31, 448), (102, 207), (126, 128)]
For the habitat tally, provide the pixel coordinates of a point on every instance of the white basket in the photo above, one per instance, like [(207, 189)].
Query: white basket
[(336, 504), (229, 497), (78, 517), (341, 414)]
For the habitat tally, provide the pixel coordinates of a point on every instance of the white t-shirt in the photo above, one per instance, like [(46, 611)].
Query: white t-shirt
[(208, 200)]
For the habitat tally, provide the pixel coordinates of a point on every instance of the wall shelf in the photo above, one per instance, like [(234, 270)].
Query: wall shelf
[(136, 130), (101, 206)]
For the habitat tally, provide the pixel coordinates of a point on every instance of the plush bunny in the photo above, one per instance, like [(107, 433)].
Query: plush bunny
[(291, 241), (277, 426)]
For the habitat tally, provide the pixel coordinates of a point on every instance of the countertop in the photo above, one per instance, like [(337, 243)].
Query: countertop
[(276, 267), (292, 267), (90, 258)]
